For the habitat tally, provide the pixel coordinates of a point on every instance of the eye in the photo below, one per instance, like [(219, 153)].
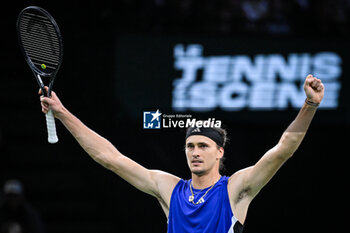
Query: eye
[(203, 145), (189, 146)]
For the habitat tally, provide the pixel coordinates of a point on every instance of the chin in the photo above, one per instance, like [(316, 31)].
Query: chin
[(198, 171)]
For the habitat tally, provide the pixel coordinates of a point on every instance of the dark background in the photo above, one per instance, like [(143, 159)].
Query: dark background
[(74, 194)]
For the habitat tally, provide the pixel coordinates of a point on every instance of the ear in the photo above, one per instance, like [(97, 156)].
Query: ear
[(220, 153)]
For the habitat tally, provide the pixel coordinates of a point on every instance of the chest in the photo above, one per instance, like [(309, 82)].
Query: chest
[(212, 211)]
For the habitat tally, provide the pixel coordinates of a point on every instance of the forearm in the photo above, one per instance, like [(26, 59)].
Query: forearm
[(303, 119), (258, 175), (99, 148), (294, 134)]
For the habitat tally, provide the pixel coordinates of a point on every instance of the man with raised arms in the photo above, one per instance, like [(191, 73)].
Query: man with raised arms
[(208, 202)]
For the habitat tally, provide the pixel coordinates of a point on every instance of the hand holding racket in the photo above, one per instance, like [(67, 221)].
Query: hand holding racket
[(41, 43), (51, 103)]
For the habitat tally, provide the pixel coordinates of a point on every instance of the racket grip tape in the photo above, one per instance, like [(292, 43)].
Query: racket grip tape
[(51, 127)]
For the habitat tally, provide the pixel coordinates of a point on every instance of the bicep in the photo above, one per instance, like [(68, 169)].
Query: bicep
[(245, 184), (134, 173), (258, 175), (154, 182)]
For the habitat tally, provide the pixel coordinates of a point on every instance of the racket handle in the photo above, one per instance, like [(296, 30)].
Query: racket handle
[(51, 127)]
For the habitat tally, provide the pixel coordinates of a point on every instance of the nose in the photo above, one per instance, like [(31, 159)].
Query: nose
[(195, 156), (195, 152)]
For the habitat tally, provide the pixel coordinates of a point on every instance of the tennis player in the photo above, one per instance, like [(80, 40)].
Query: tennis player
[(208, 202)]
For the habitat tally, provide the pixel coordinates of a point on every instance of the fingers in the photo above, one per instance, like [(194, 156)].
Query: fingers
[(50, 103), (41, 92), (53, 95), (45, 102), (43, 98), (320, 87), (46, 99), (314, 82), (44, 108)]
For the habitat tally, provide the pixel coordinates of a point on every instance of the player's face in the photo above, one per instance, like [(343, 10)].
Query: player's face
[(202, 154)]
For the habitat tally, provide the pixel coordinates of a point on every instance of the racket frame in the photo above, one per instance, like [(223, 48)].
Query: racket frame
[(37, 72)]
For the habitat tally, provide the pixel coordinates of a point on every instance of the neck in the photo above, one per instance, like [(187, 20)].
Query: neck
[(205, 180)]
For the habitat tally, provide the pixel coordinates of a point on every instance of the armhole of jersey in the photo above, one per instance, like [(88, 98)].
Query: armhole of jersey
[(171, 197), (236, 226), (234, 219)]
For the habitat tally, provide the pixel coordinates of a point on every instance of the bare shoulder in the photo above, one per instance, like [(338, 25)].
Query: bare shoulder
[(236, 184), (166, 183)]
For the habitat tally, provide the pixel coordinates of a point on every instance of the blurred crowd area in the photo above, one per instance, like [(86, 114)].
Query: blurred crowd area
[(234, 17)]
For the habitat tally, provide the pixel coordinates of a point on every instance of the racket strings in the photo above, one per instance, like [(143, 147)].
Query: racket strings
[(40, 41)]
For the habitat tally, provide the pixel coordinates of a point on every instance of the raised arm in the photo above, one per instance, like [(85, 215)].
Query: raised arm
[(156, 183), (252, 179)]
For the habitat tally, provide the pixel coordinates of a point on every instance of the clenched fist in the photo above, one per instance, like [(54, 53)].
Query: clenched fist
[(314, 89)]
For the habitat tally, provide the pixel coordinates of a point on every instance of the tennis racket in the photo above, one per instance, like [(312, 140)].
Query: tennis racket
[(41, 43)]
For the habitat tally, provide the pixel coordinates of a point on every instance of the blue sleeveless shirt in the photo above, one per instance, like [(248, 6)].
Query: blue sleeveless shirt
[(214, 215)]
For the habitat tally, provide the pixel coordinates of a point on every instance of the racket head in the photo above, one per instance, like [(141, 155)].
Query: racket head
[(40, 40)]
